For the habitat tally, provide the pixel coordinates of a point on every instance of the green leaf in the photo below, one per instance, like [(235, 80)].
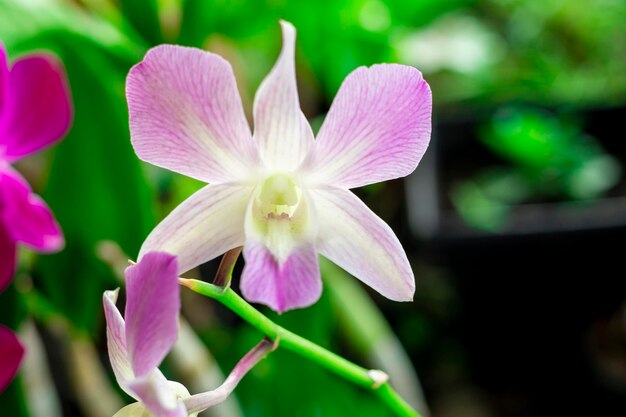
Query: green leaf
[(144, 17), (12, 308), (198, 20), (233, 18), (12, 400), (28, 20)]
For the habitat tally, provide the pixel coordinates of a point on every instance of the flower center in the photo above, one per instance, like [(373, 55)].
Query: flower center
[(279, 215), (279, 197)]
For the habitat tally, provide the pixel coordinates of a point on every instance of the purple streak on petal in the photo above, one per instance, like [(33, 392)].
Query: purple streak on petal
[(377, 128), (293, 283), (281, 130), (26, 216), (154, 392), (116, 341), (186, 115), (7, 257), (206, 225), (200, 402), (357, 240), (37, 110), (11, 353), (152, 308)]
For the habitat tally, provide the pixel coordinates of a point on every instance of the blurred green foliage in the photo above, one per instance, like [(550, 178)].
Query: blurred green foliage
[(556, 158), (550, 160)]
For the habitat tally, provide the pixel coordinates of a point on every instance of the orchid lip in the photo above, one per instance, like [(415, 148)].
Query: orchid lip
[(279, 214), (279, 207), (279, 197)]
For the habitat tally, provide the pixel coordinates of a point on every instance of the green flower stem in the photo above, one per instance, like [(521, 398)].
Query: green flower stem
[(375, 381), (368, 332)]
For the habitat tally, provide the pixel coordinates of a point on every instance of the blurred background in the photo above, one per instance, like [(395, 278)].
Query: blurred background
[(515, 221)]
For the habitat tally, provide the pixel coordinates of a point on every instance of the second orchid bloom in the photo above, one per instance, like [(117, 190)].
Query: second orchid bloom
[(279, 192), (139, 342), (35, 113)]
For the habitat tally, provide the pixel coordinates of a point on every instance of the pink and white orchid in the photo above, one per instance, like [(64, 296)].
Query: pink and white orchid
[(279, 192), (139, 342), (35, 112)]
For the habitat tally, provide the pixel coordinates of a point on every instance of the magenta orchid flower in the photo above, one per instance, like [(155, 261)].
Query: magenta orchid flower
[(35, 112), (11, 353), (279, 192), (139, 342)]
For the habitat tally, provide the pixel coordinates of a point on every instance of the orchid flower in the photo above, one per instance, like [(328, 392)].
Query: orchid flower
[(35, 112), (139, 342), (11, 353), (281, 194)]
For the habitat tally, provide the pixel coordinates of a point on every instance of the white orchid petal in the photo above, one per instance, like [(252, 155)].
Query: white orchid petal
[(356, 239), (281, 131), (158, 395), (132, 410), (186, 115), (377, 128), (206, 225), (202, 401), (116, 341)]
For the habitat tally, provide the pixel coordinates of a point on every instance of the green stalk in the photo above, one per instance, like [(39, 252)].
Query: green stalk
[(367, 332), (375, 381)]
